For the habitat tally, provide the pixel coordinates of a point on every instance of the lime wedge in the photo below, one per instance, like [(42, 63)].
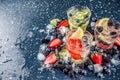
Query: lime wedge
[(71, 24), (54, 21), (75, 25)]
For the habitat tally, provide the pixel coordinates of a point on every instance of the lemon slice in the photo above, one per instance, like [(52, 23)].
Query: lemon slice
[(78, 34), (102, 22), (54, 21)]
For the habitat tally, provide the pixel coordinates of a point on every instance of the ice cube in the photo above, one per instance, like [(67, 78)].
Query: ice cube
[(98, 68), (64, 39), (47, 66), (52, 37), (40, 57), (49, 27), (114, 47), (94, 19), (84, 72), (90, 67), (100, 75), (66, 59), (76, 70), (73, 65), (115, 62), (43, 47), (92, 24), (41, 30), (93, 43), (63, 30)]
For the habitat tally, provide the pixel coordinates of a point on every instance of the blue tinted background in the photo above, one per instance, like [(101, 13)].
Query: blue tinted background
[(21, 25)]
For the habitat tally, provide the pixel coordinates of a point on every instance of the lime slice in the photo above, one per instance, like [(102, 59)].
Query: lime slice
[(78, 34), (84, 26), (71, 24), (74, 25), (54, 21), (64, 53)]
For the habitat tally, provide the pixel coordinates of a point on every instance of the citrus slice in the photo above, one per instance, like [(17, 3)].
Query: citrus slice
[(78, 34), (71, 24), (102, 22), (54, 21), (75, 25)]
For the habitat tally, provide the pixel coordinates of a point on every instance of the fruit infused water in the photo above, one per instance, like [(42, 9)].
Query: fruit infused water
[(106, 32), (78, 16), (78, 44)]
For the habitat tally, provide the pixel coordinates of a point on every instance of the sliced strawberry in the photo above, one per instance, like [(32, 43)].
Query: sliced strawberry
[(117, 41), (63, 23), (73, 52), (75, 43), (103, 46), (96, 58), (50, 59), (73, 46), (54, 43)]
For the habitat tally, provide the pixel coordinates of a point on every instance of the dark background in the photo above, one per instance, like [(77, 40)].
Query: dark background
[(21, 26)]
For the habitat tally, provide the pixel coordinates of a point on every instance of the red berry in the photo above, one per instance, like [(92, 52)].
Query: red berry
[(50, 59), (73, 46), (63, 23), (117, 41), (75, 43), (94, 35), (54, 43), (103, 46), (96, 58)]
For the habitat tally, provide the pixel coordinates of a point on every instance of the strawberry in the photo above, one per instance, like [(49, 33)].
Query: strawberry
[(103, 46), (50, 59), (63, 23), (54, 43), (73, 52), (96, 58), (117, 41), (75, 43), (73, 46)]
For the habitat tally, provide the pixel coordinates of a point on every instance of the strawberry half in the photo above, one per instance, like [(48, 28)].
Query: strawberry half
[(117, 41), (50, 59), (54, 43), (96, 58), (73, 52), (63, 23)]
